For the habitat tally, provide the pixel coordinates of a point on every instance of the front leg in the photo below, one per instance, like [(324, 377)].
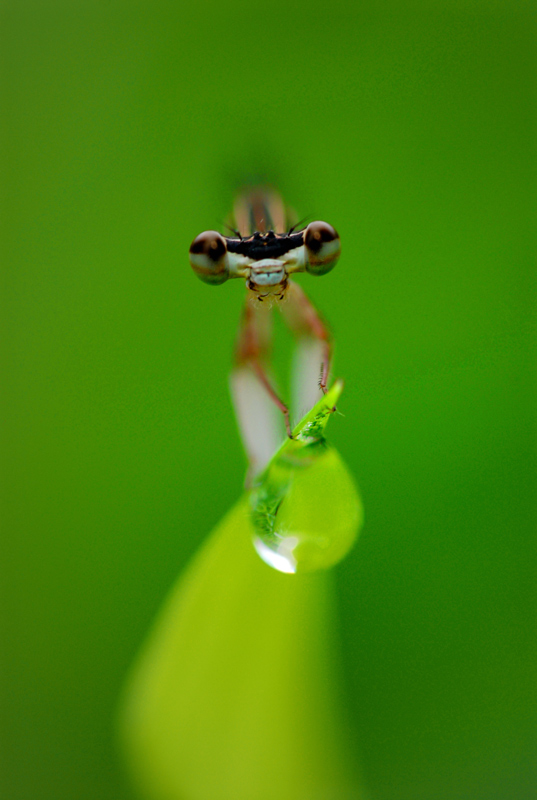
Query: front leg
[(253, 349), (254, 396), (315, 348)]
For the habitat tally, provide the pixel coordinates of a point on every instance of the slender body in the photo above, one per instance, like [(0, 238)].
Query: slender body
[(264, 251)]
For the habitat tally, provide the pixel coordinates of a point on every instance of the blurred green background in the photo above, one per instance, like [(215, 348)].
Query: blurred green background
[(410, 127)]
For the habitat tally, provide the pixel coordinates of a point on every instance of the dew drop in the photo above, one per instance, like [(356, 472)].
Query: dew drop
[(305, 506)]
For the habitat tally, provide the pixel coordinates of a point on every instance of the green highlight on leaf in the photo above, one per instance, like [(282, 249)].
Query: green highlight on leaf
[(235, 694)]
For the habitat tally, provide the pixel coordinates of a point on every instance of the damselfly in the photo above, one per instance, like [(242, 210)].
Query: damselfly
[(265, 250)]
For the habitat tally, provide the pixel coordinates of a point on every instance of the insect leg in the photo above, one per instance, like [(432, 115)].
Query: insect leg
[(315, 341), (254, 396)]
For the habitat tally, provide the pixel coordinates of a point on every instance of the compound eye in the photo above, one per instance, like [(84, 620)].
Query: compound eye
[(208, 257), (322, 247)]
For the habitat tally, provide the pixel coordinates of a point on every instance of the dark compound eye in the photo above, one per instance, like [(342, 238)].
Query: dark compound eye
[(208, 257), (323, 247)]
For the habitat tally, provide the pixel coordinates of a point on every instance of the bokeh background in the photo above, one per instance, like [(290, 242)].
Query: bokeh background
[(410, 127)]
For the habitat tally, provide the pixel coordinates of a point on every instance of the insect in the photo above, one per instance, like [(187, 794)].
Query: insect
[(265, 250)]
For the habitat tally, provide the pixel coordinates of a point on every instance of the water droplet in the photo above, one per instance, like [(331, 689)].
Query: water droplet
[(306, 510)]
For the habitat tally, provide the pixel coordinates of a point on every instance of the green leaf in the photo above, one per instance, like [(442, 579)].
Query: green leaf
[(235, 695)]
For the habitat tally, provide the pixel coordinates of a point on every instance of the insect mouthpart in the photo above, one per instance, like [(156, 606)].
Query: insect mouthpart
[(267, 272)]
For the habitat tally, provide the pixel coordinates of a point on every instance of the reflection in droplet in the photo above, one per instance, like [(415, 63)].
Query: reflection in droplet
[(306, 510), (280, 556)]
